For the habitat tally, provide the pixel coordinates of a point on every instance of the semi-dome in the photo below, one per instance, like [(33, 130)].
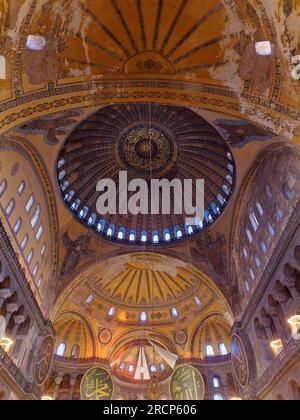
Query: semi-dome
[(142, 289), (147, 141)]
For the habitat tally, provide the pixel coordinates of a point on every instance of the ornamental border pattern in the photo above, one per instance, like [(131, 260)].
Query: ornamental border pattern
[(103, 94)]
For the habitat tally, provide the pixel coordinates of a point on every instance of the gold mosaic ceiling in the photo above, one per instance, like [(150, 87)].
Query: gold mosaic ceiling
[(110, 36), (111, 41), (141, 282)]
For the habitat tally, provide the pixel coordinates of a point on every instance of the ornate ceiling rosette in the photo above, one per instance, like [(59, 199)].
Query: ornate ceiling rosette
[(148, 141)]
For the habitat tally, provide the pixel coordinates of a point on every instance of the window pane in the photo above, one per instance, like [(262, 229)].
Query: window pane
[(210, 352), (223, 349), (61, 350), (29, 204)]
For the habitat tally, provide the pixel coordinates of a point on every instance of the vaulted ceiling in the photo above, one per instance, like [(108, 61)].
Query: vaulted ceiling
[(191, 54)]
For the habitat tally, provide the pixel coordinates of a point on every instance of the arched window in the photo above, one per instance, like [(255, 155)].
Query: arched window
[(18, 225), (249, 235), (288, 194), (21, 188), (89, 299), (216, 382), (219, 397), (40, 281), (69, 196), (247, 287), (198, 302), (29, 204), (174, 313), (229, 179), (268, 191), (215, 208), (122, 366), (61, 163), (189, 230), (223, 349), (259, 207), (10, 208), (36, 216), (230, 168), (92, 219), (271, 229), (30, 256), (257, 261), (167, 235), (245, 252), (112, 312), (263, 246), (144, 236), (131, 369), (75, 351), (75, 205), (177, 232), (153, 369), (144, 317), (226, 190), (209, 351), (35, 270), (155, 237), (110, 231), (121, 234), (43, 250), (101, 225), (61, 175), (278, 212), (162, 367), (65, 185), (3, 187), (83, 212), (24, 242), (221, 199), (253, 219), (252, 275), (40, 232), (61, 350), (208, 217), (132, 235)]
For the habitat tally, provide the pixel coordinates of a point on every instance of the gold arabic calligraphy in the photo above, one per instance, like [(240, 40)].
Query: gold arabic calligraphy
[(97, 385), (187, 384)]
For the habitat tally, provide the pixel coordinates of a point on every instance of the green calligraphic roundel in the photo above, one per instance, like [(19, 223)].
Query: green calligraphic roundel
[(240, 361), (187, 384), (43, 360), (97, 385)]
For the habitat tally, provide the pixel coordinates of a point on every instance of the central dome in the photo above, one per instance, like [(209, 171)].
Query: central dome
[(148, 141)]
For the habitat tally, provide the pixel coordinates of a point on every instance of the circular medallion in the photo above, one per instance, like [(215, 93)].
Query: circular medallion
[(105, 336), (181, 337), (240, 361), (97, 385), (43, 360), (187, 384), (146, 149)]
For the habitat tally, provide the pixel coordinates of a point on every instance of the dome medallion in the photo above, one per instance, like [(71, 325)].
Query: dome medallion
[(146, 149), (148, 141)]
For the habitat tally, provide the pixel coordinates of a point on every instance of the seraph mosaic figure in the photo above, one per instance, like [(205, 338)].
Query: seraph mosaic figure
[(76, 251), (52, 126)]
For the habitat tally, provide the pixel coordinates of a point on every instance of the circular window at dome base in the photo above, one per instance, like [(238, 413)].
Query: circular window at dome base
[(145, 142)]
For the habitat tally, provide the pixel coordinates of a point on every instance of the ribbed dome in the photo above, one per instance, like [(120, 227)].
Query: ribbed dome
[(150, 142), (73, 332)]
